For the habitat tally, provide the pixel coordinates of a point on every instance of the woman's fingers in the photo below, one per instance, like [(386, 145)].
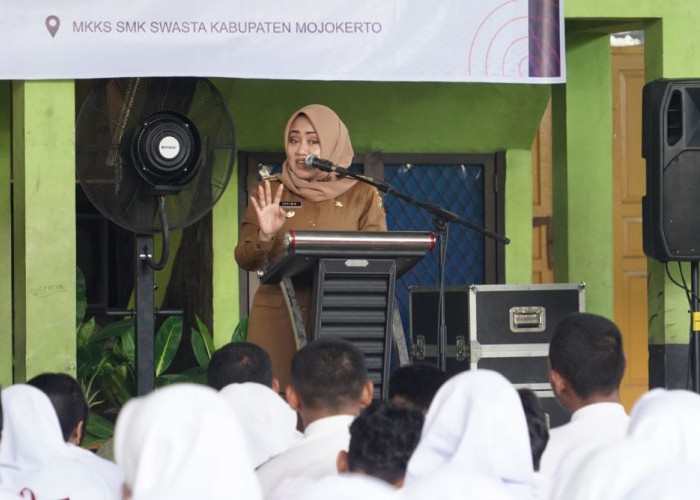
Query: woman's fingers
[(278, 193), (255, 203), (268, 194), (261, 197)]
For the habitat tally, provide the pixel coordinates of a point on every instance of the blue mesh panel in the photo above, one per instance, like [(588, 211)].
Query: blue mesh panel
[(457, 188)]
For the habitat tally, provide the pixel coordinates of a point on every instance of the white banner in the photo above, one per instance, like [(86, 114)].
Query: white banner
[(377, 40)]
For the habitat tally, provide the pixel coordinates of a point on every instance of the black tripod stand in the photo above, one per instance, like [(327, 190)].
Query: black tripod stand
[(694, 328)]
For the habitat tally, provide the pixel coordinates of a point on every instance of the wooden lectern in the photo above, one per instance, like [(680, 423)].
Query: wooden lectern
[(353, 276)]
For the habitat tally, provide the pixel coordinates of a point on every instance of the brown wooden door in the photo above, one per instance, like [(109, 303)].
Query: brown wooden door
[(630, 264), (542, 230)]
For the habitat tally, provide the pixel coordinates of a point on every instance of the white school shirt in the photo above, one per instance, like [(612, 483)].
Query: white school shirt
[(34, 455), (108, 470), (315, 456), (346, 486), (590, 428)]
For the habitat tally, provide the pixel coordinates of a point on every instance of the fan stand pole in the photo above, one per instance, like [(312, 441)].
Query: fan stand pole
[(145, 318)]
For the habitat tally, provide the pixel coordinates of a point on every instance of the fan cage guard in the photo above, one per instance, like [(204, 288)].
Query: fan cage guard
[(119, 131)]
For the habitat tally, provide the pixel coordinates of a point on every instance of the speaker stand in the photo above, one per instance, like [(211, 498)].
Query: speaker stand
[(695, 328)]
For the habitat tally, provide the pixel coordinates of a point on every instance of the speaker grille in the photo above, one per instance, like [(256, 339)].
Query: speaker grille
[(681, 222)]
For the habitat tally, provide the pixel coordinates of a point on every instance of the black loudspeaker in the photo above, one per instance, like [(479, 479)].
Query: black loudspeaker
[(671, 147)]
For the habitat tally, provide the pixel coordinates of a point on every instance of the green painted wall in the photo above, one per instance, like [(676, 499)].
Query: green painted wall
[(519, 216), (44, 227), (225, 305), (588, 194), (394, 117), (5, 234), (560, 184)]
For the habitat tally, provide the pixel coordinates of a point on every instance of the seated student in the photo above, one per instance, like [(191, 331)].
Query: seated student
[(474, 443), (328, 387), (416, 384), (536, 424), (182, 442), (382, 440), (242, 373), (611, 471), (6, 493), (663, 440), (586, 367), (239, 362), (676, 481), (34, 454), (68, 400), (671, 419), (268, 422)]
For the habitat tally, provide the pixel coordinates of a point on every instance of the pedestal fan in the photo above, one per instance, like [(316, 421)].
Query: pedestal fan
[(153, 154)]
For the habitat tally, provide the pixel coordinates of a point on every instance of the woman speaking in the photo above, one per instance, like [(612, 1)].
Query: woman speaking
[(303, 199)]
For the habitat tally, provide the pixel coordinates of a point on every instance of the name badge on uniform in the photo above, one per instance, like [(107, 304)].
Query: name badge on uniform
[(290, 204)]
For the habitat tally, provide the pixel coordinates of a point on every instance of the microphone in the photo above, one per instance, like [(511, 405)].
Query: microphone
[(313, 161)]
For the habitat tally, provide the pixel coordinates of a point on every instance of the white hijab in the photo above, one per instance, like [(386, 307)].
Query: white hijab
[(34, 455), (671, 419), (663, 432), (475, 425), (268, 422), (340, 487), (674, 482), (612, 471), (183, 442)]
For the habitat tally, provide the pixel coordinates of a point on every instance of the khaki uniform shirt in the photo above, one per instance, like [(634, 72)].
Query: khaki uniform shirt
[(360, 208)]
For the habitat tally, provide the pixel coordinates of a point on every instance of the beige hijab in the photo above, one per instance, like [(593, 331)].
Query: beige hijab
[(335, 146)]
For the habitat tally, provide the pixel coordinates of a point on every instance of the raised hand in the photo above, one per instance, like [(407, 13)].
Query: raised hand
[(270, 216)]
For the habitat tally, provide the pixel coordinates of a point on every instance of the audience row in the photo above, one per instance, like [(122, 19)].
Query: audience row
[(472, 435)]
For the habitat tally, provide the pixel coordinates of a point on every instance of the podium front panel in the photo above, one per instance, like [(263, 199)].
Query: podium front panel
[(353, 300)]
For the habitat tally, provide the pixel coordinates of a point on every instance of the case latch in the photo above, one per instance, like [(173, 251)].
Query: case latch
[(528, 319), (418, 348), (461, 353)]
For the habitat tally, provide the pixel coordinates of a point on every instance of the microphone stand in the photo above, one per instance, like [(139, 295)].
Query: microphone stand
[(441, 219)]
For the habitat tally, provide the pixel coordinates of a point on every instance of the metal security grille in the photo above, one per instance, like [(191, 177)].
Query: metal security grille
[(458, 188)]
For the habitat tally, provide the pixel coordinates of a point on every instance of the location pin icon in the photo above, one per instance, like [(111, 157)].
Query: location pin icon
[(52, 24)]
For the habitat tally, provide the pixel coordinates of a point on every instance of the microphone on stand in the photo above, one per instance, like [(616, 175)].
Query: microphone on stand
[(313, 161)]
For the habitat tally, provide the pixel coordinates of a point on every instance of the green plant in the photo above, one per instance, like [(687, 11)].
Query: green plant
[(240, 333), (107, 361), (106, 357)]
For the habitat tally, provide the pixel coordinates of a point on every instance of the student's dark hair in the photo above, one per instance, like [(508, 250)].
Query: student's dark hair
[(67, 399), (239, 362), (586, 349), (382, 440), (536, 424), (416, 384), (1, 417), (328, 373)]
